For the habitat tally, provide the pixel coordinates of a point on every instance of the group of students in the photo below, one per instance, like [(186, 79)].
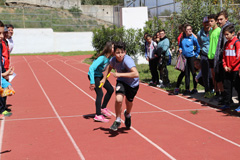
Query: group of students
[(219, 50), (114, 57), (158, 54), (214, 52), (6, 47)]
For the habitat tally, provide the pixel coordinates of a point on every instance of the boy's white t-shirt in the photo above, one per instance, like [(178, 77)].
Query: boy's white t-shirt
[(10, 44)]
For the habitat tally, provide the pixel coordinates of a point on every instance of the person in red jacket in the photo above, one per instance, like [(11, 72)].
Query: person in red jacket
[(231, 64), (5, 50)]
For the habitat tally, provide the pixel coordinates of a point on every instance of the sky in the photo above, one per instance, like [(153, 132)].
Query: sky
[(153, 3)]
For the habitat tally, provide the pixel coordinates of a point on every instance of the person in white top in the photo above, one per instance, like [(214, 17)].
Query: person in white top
[(9, 39)]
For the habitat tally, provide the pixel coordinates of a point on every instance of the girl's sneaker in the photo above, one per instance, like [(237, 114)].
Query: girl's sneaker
[(100, 118), (106, 112), (238, 109)]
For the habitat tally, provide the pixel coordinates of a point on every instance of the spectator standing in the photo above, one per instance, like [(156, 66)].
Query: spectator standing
[(223, 22), (203, 40), (181, 75), (190, 49), (152, 59), (10, 34), (214, 36), (163, 46), (231, 64)]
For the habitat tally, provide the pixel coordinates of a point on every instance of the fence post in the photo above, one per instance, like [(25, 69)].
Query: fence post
[(23, 17), (157, 8)]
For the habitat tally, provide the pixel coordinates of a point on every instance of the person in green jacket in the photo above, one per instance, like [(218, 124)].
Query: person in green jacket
[(213, 41)]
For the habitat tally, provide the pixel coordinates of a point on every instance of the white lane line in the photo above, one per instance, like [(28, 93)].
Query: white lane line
[(1, 135), (198, 126), (59, 118), (177, 96), (74, 116), (43, 118), (182, 110), (140, 134), (215, 134)]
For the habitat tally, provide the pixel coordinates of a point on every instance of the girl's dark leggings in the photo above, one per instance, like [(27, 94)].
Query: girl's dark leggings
[(190, 68), (99, 93)]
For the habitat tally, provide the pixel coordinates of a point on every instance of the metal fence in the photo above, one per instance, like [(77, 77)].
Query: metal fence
[(43, 17)]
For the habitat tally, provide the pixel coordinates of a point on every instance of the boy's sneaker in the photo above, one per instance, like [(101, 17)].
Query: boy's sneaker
[(224, 107), (194, 91), (238, 109), (6, 113), (187, 92), (176, 91), (106, 112), (115, 126), (127, 120), (100, 118)]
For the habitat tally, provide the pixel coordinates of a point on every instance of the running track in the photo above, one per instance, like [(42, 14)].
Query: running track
[(52, 119)]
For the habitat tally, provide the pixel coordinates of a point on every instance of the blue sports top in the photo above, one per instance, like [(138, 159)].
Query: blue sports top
[(98, 66)]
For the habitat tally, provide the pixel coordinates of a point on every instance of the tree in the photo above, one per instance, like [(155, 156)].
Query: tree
[(166, 12)]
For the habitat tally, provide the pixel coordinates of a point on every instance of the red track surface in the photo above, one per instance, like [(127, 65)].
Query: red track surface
[(52, 119)]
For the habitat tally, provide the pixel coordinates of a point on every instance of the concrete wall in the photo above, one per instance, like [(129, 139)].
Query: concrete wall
[(103, 12), (45, 40), (67, 4)]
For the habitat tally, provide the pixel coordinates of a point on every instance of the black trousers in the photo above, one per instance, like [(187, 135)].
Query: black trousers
[(190, 68), (201, 82), (163, 70), (99, 93), (205, 72), (153, 64), (180, 78), (231, 80)]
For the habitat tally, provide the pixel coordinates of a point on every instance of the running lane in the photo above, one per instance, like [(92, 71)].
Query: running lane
[(53, 97), (205, 132)]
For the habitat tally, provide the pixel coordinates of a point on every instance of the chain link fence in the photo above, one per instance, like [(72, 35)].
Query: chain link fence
[(45, 17)]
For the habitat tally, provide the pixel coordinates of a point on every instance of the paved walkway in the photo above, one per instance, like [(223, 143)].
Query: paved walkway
[(214, 103)]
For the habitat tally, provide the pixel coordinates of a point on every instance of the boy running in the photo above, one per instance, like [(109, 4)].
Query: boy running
[(127, 83)]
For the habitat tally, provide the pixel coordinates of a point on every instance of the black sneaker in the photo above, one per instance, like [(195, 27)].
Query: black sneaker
[(127, 120), (194, 91), (115, 126), (186, 92)]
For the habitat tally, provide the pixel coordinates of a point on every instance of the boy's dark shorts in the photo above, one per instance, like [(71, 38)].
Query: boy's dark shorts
[(125, 89), (211, 63)]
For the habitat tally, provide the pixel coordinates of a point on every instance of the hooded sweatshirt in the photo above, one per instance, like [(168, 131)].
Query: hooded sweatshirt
[(220, 47), (164, 44)]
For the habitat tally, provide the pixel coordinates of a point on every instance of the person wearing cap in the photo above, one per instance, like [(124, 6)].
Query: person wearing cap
[(203, 40)]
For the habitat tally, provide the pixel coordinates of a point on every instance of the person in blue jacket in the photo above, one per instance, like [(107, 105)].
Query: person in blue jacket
[(190, 49), (95, 75)]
